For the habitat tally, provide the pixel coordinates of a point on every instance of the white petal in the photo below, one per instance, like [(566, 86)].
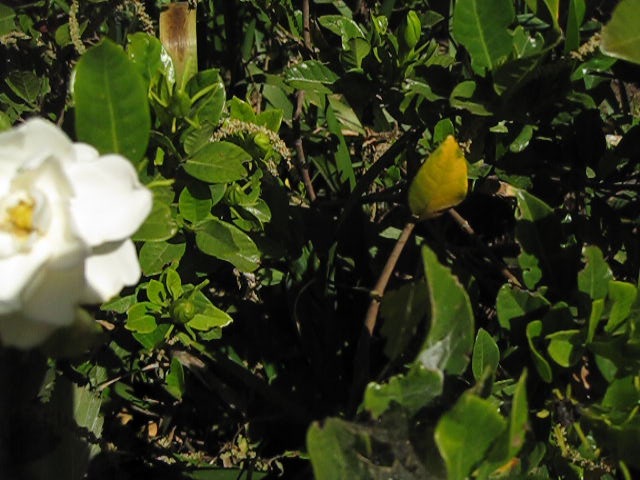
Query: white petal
[(16, 331), (31, 142), (112, 267), (16, 272), (52, 298), (110, 203)]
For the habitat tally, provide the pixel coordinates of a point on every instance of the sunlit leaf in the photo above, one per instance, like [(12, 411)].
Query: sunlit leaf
[(441, 182), (621, 36)]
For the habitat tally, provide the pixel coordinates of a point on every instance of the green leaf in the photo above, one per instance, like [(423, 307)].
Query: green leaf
[(159, 225), (175, 379), (597, 307), (622, 394), (450, 337), (27, 85), (207, 94), (156, 292), (333, 448), (138, 320), (310, 75), (514, 303), (343, 159), (195, 203), (154, 338), (174, 283), (462, 97), (7, 20), (534, 331), (465, 433), (155, 255), (344, 27), (594, 278), (563, 347), (218, 162), (539, 233), (623, 296), (222, 240), (485, 354), (620, 36), (481, 26), (412, 391), (112, 111), (149, 57), (401, 311), (575, 16), (519, 417), (212, 317)]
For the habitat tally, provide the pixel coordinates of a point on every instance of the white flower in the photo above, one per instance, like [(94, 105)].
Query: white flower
[(66, 215)]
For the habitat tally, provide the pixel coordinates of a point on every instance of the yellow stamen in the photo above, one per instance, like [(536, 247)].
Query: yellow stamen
[(21, 218)]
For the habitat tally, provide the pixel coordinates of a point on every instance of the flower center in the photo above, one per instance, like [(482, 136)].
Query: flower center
[(20, 218)]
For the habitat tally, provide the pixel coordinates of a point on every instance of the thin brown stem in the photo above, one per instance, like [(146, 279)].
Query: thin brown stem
[(301, 159), (361, 362), (306, 25), (378, 291)]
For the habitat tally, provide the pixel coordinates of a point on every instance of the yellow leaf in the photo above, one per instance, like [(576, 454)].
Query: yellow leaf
[(441, 182)]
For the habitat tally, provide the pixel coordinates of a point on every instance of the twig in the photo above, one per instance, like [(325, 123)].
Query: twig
[(361, 362), (378, 291), (301, 159), (466, 227), (306, 25)]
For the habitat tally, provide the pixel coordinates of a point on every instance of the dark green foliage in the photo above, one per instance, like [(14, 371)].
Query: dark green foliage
[(508, 350)]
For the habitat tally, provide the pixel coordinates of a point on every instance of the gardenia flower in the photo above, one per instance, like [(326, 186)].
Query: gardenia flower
[(66, 215)]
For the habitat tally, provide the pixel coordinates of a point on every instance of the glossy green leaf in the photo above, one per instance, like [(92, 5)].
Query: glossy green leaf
[(207, 94), (519, 417), (111, 107), (141, 323), (154, 338), (575, 16), (401, 311), (195, 203), (594, 278), (175, 379), (539, 233), (342, 156), (623, 296), (534, 331), (564, 347), (159, 225), (485, 354), (514, 303), (463, 97), (27, 85), (622, 394), (342, 26), (218, 162), (412, 391), (481, 26), (595, 315), (156, 292), (155, 255), (333, 450), (149, 57), (227, 242), (620, 36), (450, 338), (211, 317), (310, 75), (466, 432)]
